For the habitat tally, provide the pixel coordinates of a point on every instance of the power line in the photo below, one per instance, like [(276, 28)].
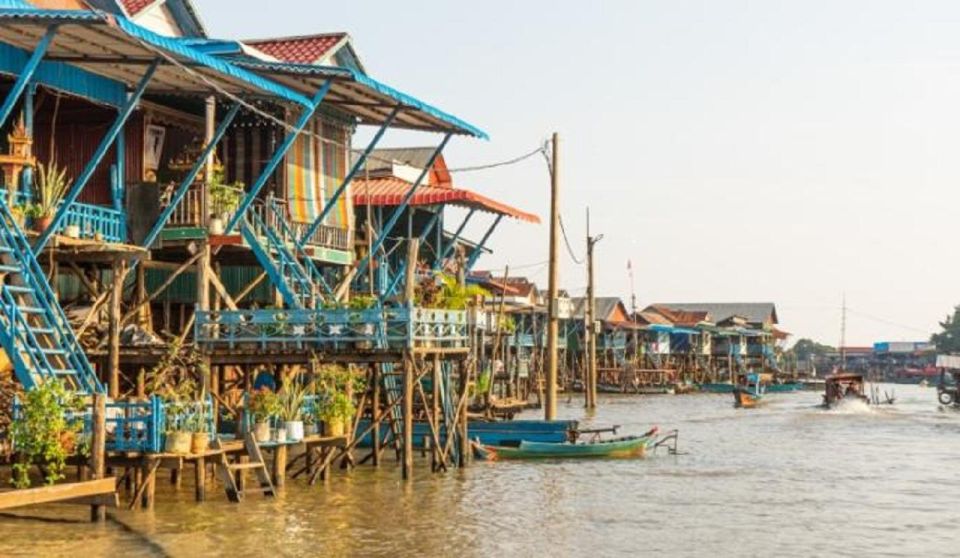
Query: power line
[(513, 161)]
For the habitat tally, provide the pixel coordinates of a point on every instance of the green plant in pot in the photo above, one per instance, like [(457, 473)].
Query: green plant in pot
[(197, 425), (52, 185), (47, 430), (335, 411), (224, 200), (292, 396), (264, 405)]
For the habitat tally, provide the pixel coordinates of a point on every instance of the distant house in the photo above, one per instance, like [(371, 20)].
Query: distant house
[(759, 315)]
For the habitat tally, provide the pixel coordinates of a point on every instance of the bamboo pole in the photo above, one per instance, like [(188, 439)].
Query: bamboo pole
[(550, 404)]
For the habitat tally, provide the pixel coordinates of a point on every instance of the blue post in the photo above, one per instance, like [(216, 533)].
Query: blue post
[(108, 139), (361, 161), (403, 267), (395, 216), (26, 176), (476, 251), (120, 170), (26, 74), (453, 242), (191, 176), (278, 156)]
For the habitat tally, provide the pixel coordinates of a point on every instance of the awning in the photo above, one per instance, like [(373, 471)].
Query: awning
[(112, 46), (390, 191), (357, 94)]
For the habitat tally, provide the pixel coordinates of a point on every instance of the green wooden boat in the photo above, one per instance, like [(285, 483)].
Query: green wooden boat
[(624, 446)]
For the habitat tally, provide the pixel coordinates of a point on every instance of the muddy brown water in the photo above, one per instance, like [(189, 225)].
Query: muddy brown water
[(788, 479)]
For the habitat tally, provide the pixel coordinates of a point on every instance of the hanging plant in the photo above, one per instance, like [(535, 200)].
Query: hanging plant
[(47, 430)]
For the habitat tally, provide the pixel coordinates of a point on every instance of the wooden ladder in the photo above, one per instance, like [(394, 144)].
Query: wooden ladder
[(226, 470)]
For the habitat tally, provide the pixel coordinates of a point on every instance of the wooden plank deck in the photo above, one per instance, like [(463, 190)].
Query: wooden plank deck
[(74, 492)]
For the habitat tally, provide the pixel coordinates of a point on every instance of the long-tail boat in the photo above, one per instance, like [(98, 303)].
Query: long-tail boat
[(624, 446), (844, 386), (750, 395)]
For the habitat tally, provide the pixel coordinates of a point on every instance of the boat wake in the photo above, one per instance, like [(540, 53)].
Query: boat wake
[(851, 406)]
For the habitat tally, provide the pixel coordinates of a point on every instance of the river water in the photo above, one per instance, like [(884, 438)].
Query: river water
[(788, 479)]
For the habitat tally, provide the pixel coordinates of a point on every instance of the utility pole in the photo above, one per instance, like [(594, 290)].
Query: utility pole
[(550, 403), (843, 334), (590, 386)]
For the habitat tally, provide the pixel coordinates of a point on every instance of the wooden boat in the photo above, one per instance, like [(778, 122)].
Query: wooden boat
[(786, 387), (624, 446), (844, 386), (750, 394), (491, 432), (717, 388)]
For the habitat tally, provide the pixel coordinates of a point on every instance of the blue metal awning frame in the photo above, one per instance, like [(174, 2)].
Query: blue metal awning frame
[(151, 45), (435, 119)]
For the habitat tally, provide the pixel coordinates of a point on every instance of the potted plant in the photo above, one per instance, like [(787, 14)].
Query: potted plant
[(224, 200), (46, 430), (52, 184), (337, 409), (197, 426), (292, 396), (310, 423), (178, 438), (264, 405)]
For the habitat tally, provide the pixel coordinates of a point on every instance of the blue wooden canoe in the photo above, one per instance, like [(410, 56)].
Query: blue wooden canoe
[(717, 388), (624, 446), (489, 432)]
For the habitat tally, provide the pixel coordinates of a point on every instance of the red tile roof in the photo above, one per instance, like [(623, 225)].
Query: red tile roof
[(390, 190), (134, 7), (299, 50)]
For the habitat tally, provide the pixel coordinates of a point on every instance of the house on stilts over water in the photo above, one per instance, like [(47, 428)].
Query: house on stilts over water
[(215, 203)]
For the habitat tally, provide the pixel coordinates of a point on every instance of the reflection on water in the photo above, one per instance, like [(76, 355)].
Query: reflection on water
[(788, 479)]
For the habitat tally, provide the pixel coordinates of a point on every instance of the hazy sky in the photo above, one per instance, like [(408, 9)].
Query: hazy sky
[(734, 151)]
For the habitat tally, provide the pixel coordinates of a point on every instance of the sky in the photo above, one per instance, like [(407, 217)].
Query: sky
[(793, 152)]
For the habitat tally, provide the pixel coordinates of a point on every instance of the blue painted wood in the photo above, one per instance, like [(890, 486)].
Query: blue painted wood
[(489, 433), (26, 74), (26, 176), (395, 283), (36, 335), (287, 235), (105, 144), (359, 164), (191, 176), (483, 242), (387, 229), (92, 220), (333, 329), (278, 156), (453, 241)]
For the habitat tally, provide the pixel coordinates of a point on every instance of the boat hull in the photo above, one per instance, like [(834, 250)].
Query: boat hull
[(624, 447), (745, 400), (494, 433)]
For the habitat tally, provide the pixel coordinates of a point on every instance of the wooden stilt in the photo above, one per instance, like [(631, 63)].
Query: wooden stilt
[(375, 416), (407, 447), (98, 450), (116, 298), (200, 473)]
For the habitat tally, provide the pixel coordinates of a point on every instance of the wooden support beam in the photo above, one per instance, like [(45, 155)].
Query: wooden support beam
[(408, 379), (113, 345), (221, 290), (249, 288), (163, 287), (56, 493), (98, 451)]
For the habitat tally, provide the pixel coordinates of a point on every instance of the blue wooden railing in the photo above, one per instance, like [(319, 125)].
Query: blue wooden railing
[(336, 329), (140, 426), (96, 220)]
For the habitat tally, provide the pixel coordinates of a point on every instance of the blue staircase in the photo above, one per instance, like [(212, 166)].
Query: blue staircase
[(289, 238), (290, 277), (34, 332)]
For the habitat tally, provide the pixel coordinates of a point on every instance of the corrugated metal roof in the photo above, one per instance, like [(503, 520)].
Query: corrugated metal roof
[(113, 46), (362, 96), (390, 191), (754, 312), (134, 7)]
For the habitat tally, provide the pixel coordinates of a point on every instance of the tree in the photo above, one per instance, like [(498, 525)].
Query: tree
[(804, 349), (948, 340)]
